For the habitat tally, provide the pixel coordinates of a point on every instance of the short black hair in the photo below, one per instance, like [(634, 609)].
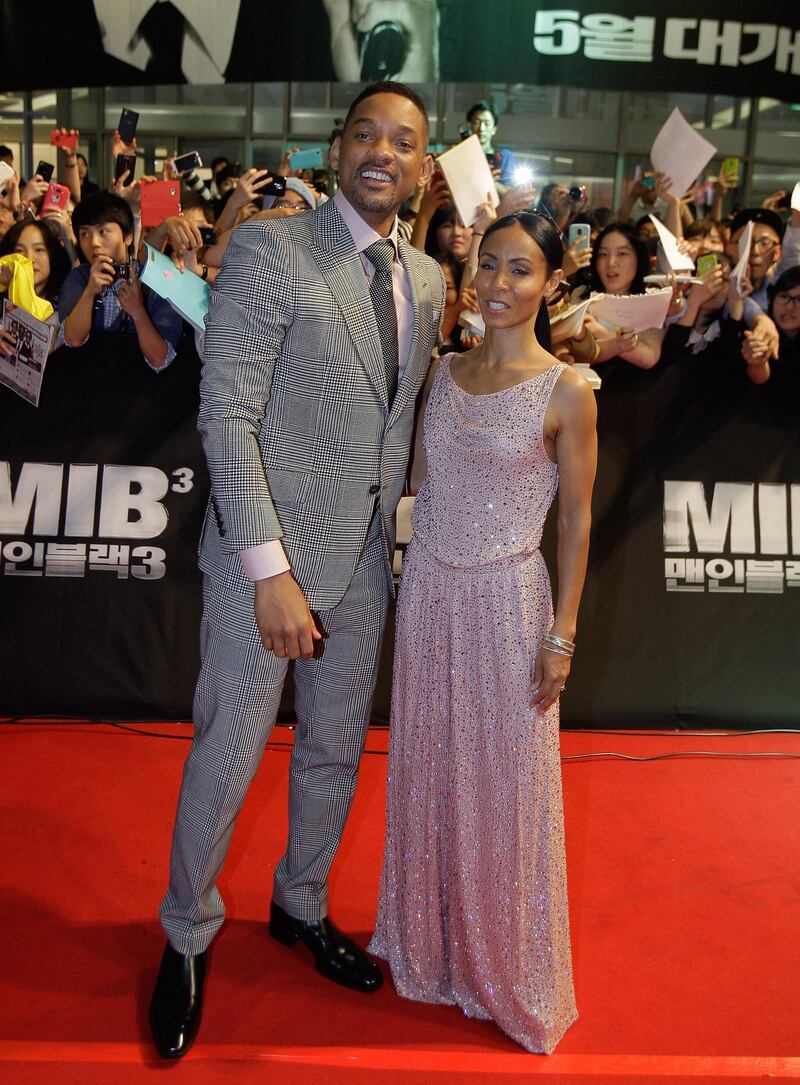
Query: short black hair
[(5, 152), (102, 207), (232, 170), (218, 161), (761, 215), (387, 86), (480, 107)]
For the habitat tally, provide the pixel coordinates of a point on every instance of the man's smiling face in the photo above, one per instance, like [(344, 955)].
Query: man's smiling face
[(381, 156)]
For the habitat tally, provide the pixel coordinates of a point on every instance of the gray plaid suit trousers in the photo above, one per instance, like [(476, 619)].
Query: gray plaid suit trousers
[(236, 703)]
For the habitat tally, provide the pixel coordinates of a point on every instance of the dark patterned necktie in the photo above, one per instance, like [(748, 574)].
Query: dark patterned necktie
[(162, 28), (381, 255)]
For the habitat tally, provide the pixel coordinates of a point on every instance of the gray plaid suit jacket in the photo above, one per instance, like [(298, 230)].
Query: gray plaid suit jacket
[(294, 416)]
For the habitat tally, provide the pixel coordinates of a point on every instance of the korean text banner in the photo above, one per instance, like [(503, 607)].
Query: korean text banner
[(718, 47)]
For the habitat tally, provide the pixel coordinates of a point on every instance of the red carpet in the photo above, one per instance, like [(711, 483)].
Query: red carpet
[(685, 904)]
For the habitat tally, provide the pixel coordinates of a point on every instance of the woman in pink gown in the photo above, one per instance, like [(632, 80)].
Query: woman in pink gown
[(473, 899)]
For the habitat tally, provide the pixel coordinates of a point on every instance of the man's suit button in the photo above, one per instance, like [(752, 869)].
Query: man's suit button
[(374, 489)]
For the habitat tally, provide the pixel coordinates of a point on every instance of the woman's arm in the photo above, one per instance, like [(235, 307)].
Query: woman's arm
[(646, 349), (419, 464), (573, 428), (642, 349), (435, 195)]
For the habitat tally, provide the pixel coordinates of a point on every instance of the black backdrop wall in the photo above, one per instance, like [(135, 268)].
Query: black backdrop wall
[(690, 609)]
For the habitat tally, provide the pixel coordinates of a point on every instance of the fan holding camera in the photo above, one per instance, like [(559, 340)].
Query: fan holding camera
[(103, 293)]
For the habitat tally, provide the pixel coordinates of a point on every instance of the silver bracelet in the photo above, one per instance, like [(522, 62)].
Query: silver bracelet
[(558, 651)]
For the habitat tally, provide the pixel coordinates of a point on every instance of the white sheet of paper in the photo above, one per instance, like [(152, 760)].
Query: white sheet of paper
[(796, 197), (742, 266), (680, 152), (473, 321), (468, 174), (569, 323), (676, 260), (636, 312)]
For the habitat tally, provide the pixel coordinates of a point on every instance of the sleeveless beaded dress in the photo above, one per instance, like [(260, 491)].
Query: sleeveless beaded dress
[(473, 898)]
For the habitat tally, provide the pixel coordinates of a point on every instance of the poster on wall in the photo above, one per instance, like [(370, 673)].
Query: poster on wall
[(611, 44)]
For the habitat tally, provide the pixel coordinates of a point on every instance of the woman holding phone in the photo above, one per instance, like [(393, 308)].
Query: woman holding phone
[(473, 904)]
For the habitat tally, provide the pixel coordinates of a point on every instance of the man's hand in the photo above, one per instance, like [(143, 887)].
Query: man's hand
[(284, 621), (129, 296), (101, 275)]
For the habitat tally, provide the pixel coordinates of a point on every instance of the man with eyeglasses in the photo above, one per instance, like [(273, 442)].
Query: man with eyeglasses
[(773, 250)]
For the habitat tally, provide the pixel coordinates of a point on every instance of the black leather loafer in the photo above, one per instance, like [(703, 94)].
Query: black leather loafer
[(337, 956), (176, 1003)]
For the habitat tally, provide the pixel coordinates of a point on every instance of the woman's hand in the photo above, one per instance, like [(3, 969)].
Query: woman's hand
[(130, 193), (436, 194), (285, 167), (627, 341), (118, 147), (774, 200), (712, 283), (576, 257), (550, 674), (6, 276), (468, 299), (34, 189), (183, 235), (168, 170), (247, 190), (514, 199), (8, 343), (487, 214), (755, 350)]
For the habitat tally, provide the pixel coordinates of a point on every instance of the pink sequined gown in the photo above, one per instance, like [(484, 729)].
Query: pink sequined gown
[(473, 898)]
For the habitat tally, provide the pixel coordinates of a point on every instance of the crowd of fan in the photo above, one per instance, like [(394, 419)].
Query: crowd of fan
[(86, 257)]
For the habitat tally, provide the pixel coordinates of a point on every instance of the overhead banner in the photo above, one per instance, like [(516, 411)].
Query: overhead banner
[(689, 617), (715, 48)]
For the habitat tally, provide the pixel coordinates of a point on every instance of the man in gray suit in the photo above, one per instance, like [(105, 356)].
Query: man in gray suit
[(318, 340)]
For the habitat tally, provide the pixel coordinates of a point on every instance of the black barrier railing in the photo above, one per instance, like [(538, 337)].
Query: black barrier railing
[(690, 610)]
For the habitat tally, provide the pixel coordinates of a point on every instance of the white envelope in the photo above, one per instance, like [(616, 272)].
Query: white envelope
[(680, 152), (637, 312), (469, 177), (569, 322), (741, 269)]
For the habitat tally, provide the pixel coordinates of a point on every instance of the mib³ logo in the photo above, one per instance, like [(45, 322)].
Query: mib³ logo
[(101, 509), (731, 537)]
